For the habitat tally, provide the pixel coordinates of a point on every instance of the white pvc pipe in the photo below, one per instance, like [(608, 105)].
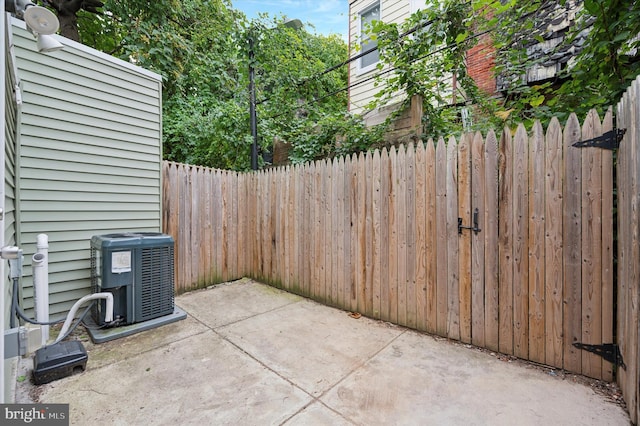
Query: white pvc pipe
[(40, 264), (108, 315)]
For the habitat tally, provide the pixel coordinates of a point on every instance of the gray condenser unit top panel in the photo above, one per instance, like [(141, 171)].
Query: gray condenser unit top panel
[(130, 240)]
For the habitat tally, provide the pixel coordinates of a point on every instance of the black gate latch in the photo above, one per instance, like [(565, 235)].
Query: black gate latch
[(609, 140), (475, 227), (608, 351)]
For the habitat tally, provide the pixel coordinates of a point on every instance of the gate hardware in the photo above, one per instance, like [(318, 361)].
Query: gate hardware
[(609, 140), (609, 351), (475, 227)]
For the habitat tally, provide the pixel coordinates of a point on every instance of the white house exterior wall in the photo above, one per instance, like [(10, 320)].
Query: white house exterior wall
[(391, 11)]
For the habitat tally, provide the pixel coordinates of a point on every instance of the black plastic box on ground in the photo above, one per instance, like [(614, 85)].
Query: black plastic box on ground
[(137, 268), (58, 360)]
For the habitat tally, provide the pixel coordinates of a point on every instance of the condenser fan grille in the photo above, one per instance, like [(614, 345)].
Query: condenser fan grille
[(156, 283)]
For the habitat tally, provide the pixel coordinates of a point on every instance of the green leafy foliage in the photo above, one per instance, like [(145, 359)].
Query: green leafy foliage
[(200, 47)]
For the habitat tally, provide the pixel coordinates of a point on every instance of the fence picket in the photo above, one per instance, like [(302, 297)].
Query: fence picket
[(464, 238), (505, 244), (453, 298), (478, 262), (431, 239), (422, 249), (441, 228), (591, 246), (607, 247), (553, 245), (490, 229), (572, 227), (537, 259), (376, 198)]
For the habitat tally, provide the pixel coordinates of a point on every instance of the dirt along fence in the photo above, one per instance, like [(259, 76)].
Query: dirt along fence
[(504, 242)]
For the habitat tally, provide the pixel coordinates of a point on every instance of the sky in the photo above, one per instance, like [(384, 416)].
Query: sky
[(327, 16)]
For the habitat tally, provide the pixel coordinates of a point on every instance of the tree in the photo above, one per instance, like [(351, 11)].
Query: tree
[(67, 11)]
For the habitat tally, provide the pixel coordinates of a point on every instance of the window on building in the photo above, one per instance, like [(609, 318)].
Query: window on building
[(367, 16)]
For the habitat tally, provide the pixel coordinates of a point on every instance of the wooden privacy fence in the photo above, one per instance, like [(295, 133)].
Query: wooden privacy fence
[(628, 183), (387, 234)]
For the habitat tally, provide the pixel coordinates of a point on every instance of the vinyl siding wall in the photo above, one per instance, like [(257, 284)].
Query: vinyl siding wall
[(89, 158), (10, 136), (391, 11)]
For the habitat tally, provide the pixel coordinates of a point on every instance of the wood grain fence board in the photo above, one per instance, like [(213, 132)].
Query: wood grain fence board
[(628, 237), (607, 247), (343, 232), (420, 213), (553, 245), (410, 232), (385, 176), (318, 240), (185, 223), (349, 227), (301, 243), (354, 259), (464, 239), (490, 230), (442, 252), (400, 192), (520, 243), (323, 224), (282, 270), (234, 225), (274, 225), (591, 247), (260, 227), (335, 239), (308, 233), (478, 197), (179, 249), (453, 298), (634, 250), (171, 217), (328, 232), (288, 228), (363, 218), (431, 247), (537, 259), (392, 277), (225, 227), (368, 235), (314, 230), (208, 227), (377, 243), (218, 223), (505, 249), (244, 245), (301, 248), (572, 292)]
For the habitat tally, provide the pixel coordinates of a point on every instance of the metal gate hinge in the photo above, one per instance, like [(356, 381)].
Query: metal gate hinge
[(609, 140), (608, 351)]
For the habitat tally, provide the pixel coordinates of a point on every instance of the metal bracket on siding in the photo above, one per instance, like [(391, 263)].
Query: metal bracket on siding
[(608, 351), (609, 140), (475, 228)]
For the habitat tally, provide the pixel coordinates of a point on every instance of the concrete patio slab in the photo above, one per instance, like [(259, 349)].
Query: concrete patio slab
[(249, 354)]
